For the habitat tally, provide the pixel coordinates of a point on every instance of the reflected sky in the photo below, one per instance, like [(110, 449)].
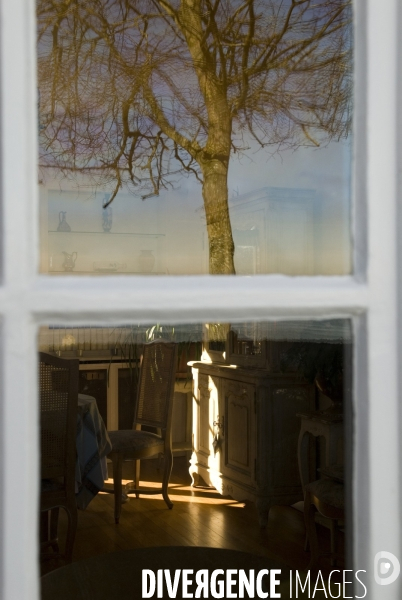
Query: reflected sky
[(220, 138)]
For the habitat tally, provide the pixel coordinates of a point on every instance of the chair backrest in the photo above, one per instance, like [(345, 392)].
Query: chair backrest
[(58, 383), (156, 385)]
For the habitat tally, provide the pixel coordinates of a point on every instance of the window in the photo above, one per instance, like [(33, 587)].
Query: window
[(370, 297)]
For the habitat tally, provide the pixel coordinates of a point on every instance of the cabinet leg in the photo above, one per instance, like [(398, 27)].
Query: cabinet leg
[(197, 480), (263, 506)]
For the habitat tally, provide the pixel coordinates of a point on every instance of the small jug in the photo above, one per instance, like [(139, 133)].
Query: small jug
[(69, 261), (63, 225)]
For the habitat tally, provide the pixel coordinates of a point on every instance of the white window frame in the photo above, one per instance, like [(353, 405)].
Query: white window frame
[(370, 298)]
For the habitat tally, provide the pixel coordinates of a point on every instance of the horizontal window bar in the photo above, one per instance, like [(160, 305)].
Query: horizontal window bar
[(187, 298)]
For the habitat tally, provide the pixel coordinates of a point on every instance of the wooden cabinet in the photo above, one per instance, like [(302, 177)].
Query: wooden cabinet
[(245, 430)]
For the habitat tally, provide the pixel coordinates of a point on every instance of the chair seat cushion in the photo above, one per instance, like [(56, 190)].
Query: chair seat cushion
[(129, 440), (329, 491)]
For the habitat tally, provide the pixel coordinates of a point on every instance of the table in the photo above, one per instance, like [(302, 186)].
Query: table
[(119, 574), (93, 445)]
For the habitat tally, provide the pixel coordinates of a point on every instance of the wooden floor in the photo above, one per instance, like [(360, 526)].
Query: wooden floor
[(200, 517)]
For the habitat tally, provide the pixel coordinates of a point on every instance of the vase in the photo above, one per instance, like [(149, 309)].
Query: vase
[(63, 225), (107, 219), (69, 260), (146, 261)]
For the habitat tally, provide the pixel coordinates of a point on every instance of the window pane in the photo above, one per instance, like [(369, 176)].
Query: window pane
[(263, 413), (177, 139)]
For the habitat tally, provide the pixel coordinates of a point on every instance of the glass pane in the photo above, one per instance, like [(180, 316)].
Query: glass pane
[(259, 427), (179, 139)]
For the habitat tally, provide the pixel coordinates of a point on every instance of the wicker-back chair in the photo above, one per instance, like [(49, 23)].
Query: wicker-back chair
[(154, 409), (58, 381)]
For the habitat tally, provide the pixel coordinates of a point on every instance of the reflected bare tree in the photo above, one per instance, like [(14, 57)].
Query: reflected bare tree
[(135, 92)]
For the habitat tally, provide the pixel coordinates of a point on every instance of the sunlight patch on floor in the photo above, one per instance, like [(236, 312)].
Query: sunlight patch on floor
[(188, 494)]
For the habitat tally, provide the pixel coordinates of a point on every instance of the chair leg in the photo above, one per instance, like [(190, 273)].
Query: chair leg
[(309, 513), (166, 476), (117, 485), (71, 531), (137, 465), (54, 521)]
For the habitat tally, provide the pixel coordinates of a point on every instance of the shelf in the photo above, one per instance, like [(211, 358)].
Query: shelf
[(107, 233), (96, 356)]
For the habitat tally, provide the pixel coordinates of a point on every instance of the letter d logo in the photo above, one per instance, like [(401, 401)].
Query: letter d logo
[(386, 568)]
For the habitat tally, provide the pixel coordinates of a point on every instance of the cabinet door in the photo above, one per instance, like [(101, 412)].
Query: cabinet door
[(238, 456)]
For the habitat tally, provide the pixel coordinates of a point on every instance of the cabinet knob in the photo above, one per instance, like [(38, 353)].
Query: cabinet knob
[(219, 423)]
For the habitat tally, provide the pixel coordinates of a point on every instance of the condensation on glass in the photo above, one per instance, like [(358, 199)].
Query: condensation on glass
[(177, 139)]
